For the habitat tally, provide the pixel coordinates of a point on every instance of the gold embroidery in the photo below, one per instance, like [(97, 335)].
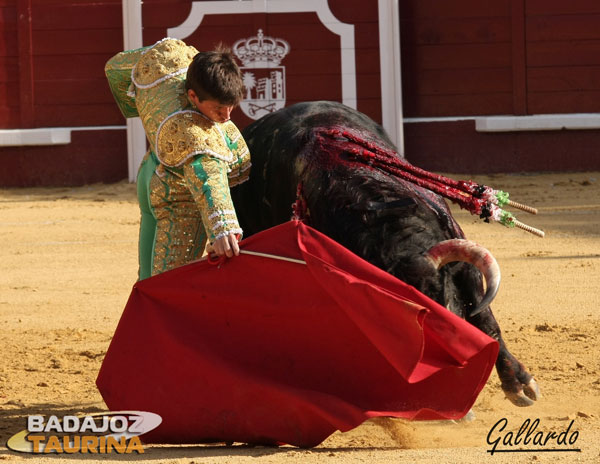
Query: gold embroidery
[(164, 59), (187, 133), (180, 236), (157, 103), (207, 180), (240, 166)]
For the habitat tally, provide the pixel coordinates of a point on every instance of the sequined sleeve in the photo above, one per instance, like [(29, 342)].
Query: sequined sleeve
[(207, 179), (118, 72), (240, 165)]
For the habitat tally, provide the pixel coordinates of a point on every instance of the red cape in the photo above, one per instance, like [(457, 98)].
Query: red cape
[(260, 350)]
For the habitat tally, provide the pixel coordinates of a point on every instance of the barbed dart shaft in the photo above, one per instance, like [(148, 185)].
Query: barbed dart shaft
[(532, 230), (522, 207)]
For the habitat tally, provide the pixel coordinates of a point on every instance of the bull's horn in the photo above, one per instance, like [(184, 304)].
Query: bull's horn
[(470, 252)]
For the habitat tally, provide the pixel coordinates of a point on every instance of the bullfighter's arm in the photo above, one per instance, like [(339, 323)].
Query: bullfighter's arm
[(207, 179), (118, 72)]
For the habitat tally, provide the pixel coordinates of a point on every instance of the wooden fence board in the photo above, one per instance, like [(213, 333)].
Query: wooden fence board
[(8, 17), (585, 101), (72, 92), (58, 3), (461, 81), (466, 56), (78, 115), (563, 28), (9, 94), (572, 53), (81, 66), (76, 42), (9, 117), (9, 43), (563, 79), (9, 69), (431, 31), (458, 105), (518, 57), (454, 9), (77, 17), (353, 12), (561, 7)]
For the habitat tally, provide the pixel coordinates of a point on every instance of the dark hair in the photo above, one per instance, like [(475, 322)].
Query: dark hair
[(216, 76)]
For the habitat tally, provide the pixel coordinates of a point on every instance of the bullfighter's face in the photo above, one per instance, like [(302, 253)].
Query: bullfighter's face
[(212, 109)]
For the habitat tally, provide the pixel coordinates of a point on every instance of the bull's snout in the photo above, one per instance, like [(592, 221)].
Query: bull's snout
[(470, 252)]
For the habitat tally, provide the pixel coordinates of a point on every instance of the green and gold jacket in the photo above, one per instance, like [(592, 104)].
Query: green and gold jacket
[(195, 160)]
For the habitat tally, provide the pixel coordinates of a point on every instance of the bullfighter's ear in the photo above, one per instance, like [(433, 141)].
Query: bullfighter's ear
[(193, 97)]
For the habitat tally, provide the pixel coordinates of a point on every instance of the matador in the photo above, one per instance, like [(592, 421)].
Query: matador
[(184, 180)]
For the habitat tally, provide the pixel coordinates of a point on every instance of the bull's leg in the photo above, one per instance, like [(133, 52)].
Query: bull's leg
[(519, 385)]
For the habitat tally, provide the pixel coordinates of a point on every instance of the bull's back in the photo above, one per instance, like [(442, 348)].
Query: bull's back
[(283, 143), (279, 143), (297, 120)]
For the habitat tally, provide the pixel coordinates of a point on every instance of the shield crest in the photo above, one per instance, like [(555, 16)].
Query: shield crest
[(263, 76), (265, 90)]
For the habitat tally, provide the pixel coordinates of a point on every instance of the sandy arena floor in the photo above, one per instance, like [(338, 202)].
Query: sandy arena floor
[(69, 259)]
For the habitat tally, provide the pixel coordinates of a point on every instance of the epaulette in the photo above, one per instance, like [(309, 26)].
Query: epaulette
[(187, 133), (165, 59)]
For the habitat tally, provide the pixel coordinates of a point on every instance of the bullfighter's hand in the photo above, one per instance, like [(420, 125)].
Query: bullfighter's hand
[(226, 245)]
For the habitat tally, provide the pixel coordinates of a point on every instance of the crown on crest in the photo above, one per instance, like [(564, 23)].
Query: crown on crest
[(261, 50)]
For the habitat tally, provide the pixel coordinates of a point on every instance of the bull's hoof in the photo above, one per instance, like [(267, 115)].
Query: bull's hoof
[(529, 394)]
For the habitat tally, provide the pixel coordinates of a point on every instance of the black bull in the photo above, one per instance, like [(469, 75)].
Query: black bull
[(387, 221)]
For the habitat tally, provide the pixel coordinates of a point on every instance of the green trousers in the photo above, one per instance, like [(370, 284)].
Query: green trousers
[(148, 219)]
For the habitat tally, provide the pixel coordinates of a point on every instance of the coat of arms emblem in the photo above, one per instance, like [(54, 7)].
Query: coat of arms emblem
[(263, 76)]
